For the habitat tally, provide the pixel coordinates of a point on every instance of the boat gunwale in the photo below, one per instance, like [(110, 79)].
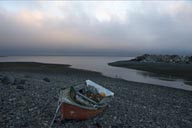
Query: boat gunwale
[(64, 97)]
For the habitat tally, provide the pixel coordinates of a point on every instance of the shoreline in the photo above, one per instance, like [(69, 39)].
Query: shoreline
[(182, 71), (33, 103), (56, 69)]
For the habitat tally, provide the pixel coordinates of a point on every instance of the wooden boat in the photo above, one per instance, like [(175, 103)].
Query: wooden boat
[(71, 109)]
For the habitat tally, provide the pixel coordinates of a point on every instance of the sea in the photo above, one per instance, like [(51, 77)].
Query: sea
[(100, 64)]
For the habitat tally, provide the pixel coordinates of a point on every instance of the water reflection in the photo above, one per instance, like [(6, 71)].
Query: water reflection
[(100, 64)]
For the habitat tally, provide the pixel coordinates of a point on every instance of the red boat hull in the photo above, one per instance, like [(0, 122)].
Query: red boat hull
[(74, 112)]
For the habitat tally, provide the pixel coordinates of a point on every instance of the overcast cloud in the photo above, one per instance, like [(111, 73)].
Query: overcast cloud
[(118, 28)]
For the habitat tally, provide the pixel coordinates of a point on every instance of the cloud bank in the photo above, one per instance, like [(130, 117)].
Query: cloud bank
[(116, 28)]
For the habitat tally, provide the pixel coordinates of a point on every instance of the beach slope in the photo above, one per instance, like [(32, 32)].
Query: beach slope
[(29, 95)]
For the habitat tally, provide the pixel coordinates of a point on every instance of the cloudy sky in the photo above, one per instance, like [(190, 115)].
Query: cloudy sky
[(100, 28)]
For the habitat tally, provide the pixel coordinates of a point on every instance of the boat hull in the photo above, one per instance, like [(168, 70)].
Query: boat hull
[(69, 111)]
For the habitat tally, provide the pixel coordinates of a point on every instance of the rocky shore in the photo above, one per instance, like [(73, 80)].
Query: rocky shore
[(29, 95), (164, 59), (175, 66)]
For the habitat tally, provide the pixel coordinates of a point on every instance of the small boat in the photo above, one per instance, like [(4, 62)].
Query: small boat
[(75, 105)]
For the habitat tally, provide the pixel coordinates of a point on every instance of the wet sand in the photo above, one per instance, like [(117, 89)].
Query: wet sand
[(31, 103)]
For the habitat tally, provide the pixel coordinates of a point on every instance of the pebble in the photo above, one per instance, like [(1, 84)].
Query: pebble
[(46, 79), (164, 59), (20, 87), (148, 106), (8, 80), (19, 81)]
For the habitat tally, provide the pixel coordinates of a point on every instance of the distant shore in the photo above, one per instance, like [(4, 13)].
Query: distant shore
[(29, 94), (179, 70)]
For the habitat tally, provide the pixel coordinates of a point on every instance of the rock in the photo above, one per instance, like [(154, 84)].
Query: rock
[(1, 77), (8, 80), (141, 58), (12, 99), (20, 87), (27, 76), (164, 59), (46, 79), (25, 125), (19, 81), (98, 125), (190, 59)]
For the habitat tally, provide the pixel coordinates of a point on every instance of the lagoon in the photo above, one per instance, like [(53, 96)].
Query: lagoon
[(100, 64)]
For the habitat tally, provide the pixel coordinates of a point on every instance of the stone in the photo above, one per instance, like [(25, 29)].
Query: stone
[(46, 79), (98, 125), (190, 59), (1, 77), (27, 76), (164, 59), (8, 80), (20, 87), (19, 81)]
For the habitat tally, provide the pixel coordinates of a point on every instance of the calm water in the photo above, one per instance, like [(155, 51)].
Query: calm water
[(99, 64)]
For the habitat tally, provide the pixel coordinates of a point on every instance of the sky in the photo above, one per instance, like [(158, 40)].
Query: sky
[(95, 28)]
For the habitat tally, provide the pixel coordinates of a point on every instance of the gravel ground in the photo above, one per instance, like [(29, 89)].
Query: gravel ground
[(29, 99)]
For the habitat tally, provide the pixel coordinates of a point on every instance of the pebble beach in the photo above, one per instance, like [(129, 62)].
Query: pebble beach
[(29, 96)]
